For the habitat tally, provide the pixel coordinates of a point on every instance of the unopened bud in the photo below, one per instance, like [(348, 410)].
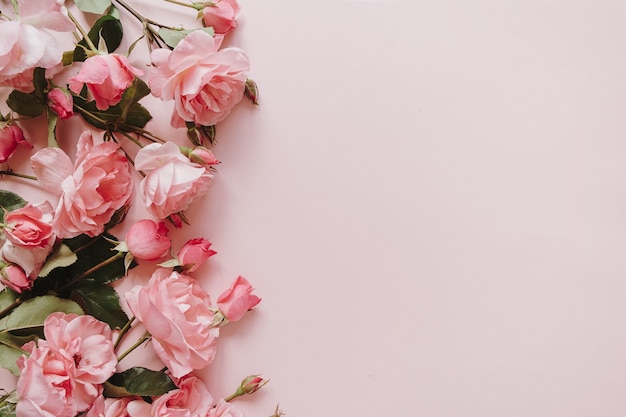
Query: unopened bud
[(203, 156), (252, 384), (252, 91)]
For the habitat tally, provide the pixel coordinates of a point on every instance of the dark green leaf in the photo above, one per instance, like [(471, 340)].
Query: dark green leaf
[(25, 104), (102, 302), (138, 381), (138, 116), (109, 28), (61, 257), (10, 201), (41, 84)]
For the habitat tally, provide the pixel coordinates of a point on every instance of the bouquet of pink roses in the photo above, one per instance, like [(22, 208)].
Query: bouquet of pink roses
[(63, 327)]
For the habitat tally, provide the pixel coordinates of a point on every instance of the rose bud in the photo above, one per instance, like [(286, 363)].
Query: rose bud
[(10, 137), (14, 277), (252, 384), (221, 16), (148, 240), (235, 301), (194, 253), (61, 102), (203, 156)]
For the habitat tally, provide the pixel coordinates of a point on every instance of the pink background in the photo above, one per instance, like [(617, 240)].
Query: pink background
[(431, 201)]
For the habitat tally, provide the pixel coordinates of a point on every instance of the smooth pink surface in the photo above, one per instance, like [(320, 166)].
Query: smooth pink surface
[(431, 201)]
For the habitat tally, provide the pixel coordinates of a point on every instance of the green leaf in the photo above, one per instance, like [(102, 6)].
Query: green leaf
[(7, 297), (53, 119), (61, 257), (11, 350), (172, 36), (107, 27), (93, 6), (25, 104), (10, 201), (138, 381), (32, 313), (102, 302)]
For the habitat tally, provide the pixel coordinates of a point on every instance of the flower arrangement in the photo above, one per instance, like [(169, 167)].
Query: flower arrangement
[(64, 328)]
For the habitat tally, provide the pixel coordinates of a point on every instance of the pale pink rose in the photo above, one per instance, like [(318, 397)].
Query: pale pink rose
[(22, 81), (106, 77), (221, 16), (204, 83), (61, 102), (191, 399), (29, 239), (224, 409), (30, 225), (177, 312), (194, 253), (14, 277), (29, 258), (85, 339), (235, 301), (46, 383), (126, 407), (148, 240), (10, 137), (172, 181), (90, 193), (26, 42)]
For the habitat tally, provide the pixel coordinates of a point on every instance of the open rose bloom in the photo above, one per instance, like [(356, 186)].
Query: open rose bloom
[(204, 82), (91, 191)]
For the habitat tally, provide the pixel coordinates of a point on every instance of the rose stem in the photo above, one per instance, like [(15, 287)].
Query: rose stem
[(82, 32), (16, 174), (138, 343), (123, 331)]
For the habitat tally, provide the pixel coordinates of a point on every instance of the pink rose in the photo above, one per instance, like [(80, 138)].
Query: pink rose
[(148, 240), (29, 225), (172, 181), (177, 312), (29, 237), (235, 301), (221, 16), (204, 83), (14, 277), (26, 42), (61, 102), (10, 137), (90, 193), (192, 399), (29, 258), (194, 253), (45, 385), (88, 342), (126, 407), (107, 77), (224, 409)]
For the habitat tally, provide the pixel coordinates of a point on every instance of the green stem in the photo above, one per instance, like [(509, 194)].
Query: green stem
[(10, 308), (123, 331), (82, 32), (93, 269), (234, 395), (138, 343), (16, 174), (151, 34)]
